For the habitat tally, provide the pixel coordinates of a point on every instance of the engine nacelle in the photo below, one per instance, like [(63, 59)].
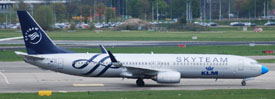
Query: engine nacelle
[(168, 77)]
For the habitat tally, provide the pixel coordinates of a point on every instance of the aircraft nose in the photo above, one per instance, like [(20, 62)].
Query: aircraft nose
[(264, 69)]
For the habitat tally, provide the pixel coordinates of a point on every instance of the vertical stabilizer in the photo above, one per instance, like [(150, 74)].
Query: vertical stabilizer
[(35, 38)]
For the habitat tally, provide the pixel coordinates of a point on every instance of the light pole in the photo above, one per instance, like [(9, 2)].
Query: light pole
[(126, 9), (157, 12), (210, 12), (229, 9), (187, 11), (264, 10), (255, 9), (190, 11), (152, 11), (204, 8), (220, 14)]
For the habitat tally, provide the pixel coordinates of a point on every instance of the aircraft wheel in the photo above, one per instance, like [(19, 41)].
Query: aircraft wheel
[(140, 82), (243, 83)]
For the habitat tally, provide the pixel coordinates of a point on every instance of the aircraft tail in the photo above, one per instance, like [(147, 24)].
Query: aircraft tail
[(35, 38)]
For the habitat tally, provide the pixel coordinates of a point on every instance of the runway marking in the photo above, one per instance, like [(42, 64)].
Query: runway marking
[(88, 85), (5, 77)]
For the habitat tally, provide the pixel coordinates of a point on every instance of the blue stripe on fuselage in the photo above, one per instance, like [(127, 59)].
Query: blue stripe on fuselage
[(96, 66)]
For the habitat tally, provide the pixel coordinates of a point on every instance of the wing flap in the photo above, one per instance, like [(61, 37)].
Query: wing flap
[(136, 71)]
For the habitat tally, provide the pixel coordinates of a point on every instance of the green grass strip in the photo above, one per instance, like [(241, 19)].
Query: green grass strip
[(217, 35), (179, 94), (266, 61)]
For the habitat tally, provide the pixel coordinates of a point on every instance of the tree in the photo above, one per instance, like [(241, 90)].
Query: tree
[(22, 5), (195, 8), (59, 10), (85, 11), (162, 7), (133, 8), (178, 7), (145, 9), (71, 9), (100, 10), (244, 7), (109, 14), (182, 20), (45, 20)]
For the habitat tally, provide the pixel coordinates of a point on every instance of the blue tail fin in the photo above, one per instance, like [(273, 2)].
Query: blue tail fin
[(36, 40)]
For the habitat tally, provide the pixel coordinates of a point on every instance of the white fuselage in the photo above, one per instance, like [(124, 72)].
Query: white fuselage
[(188, 65)]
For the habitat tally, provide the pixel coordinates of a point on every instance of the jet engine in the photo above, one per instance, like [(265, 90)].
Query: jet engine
[(167, 77)]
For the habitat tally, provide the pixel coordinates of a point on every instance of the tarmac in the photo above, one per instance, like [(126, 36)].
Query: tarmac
[(22, 77)]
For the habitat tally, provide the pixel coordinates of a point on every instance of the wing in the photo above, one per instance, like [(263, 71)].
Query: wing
[(135, 71), (25, 55)]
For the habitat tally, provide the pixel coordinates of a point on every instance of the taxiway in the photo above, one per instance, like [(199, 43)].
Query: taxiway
[(22, 77)]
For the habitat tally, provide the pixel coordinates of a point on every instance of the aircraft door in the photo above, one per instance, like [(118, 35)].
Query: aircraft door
[(60, 63)]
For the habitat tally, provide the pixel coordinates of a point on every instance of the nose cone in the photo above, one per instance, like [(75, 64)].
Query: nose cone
[(264, 69)]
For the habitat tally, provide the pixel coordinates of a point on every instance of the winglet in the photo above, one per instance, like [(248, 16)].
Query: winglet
[(112, 57), (103, 50), (114, 60)]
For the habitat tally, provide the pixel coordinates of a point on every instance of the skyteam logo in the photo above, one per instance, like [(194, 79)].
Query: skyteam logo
[(33, 35), (83, 63), (209, 71)]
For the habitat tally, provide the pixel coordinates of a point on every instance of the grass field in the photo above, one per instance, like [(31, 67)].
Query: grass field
[(179, 94), (8, 55), (266, 61), (218, 34)]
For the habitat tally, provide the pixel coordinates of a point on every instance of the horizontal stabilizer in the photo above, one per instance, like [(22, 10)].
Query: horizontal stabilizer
[(28, 56), (12, 38)]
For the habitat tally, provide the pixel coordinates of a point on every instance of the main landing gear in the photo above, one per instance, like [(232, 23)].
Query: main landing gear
[(243, 83), (140, 82)]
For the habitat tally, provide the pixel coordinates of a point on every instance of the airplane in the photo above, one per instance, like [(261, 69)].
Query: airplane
[(162, 68)]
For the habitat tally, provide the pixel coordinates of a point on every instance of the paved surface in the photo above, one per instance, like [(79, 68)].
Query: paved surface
[(71, 44), (22, 77)]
